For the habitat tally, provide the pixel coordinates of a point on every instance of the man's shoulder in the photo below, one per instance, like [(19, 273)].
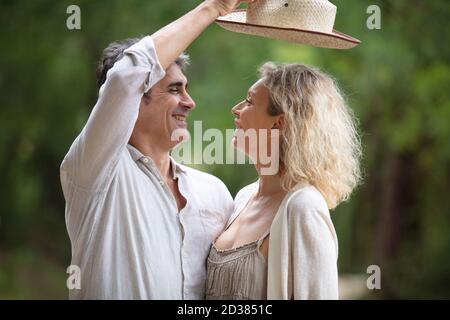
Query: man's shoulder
[(209, 189), (204, 178)]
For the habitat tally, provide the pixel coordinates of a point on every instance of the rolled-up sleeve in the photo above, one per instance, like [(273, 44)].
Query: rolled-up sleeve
[(94, 154)]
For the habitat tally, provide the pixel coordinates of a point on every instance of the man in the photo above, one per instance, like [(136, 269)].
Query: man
[(141, 224)]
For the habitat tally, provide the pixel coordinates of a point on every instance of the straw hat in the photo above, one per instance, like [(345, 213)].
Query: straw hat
[(303, 21)]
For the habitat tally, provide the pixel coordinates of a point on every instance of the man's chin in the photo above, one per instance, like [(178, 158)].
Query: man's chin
[(179, 135)]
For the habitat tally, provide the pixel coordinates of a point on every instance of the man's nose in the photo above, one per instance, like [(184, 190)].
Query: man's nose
[(188, 102)]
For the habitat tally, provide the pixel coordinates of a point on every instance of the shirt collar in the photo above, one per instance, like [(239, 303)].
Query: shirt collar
[(136, 155)]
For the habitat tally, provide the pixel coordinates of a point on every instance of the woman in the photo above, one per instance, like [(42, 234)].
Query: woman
[(280, 242)]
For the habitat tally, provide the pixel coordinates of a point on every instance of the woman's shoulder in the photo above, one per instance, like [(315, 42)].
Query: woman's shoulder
[(246, 192), (307, 212), (307, 199)]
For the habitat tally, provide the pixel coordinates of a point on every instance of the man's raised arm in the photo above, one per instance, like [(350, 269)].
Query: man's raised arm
[(93, 156), (174, 38)]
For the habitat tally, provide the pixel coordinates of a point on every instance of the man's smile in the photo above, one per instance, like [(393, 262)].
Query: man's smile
[(180, 119)]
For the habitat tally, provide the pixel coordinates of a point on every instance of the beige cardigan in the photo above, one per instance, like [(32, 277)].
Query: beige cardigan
[(303, 246)]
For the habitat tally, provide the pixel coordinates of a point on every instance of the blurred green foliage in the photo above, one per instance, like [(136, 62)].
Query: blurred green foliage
[(397, 81)]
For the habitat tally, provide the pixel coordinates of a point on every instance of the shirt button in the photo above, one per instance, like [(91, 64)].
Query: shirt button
[(145, 160)]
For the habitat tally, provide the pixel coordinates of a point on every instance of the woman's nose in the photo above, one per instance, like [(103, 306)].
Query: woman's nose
[(236, 110)]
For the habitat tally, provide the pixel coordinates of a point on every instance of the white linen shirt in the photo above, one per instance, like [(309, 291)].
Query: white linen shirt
[(127, 236)]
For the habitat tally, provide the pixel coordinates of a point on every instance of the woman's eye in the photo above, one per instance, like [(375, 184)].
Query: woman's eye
[(248, 101), (175, 90)]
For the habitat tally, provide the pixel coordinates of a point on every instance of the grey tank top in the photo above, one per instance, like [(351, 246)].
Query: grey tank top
[(237, 274)]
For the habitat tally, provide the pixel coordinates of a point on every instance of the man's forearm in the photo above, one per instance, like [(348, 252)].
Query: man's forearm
[(174, 38)]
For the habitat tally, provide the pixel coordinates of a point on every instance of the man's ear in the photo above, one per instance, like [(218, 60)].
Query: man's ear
[(146, 98), (279, 122)]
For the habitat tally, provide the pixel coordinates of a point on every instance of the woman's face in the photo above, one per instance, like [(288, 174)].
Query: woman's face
[(252, 119)]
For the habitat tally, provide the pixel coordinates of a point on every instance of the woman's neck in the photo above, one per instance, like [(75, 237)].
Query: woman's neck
[(269, 185)]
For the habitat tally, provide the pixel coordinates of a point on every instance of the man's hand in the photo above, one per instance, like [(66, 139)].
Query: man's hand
[(224, 7), (174, 38)]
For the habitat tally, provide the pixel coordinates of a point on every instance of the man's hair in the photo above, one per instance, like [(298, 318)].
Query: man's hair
[(114, 52)]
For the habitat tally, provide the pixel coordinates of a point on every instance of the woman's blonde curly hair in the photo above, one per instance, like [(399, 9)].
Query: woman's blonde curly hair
[(320, 143)]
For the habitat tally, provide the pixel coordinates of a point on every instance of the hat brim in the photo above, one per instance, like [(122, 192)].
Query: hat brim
[(236, 22)]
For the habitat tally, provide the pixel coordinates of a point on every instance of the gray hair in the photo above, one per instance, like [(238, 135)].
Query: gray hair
[(114, 52)]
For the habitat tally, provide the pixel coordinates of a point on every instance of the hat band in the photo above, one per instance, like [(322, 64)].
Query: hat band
[(305, 15)]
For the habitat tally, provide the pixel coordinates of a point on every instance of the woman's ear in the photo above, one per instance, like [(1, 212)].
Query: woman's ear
[(279, 122)]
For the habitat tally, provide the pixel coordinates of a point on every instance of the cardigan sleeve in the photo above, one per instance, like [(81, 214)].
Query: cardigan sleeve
[(313, 249)]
